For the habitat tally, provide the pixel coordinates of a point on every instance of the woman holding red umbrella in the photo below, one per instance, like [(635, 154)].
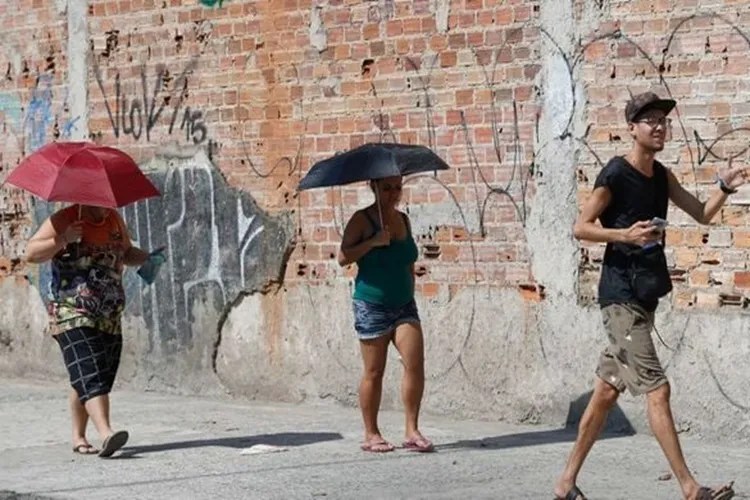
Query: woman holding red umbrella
[(87, 300), (88, 246)]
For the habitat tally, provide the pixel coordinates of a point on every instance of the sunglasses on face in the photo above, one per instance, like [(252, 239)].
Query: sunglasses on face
[(654, 121)]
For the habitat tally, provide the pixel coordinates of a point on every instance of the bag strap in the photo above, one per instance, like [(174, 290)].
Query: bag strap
[(662, 190)]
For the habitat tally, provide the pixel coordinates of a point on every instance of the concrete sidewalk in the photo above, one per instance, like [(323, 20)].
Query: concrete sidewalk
[(190, 448)]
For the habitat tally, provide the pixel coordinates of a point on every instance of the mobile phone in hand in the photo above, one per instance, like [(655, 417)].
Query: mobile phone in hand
[(659, 223), (659, 227)]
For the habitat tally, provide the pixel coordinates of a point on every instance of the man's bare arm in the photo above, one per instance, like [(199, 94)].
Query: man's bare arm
[(586, 227), (701, 211)]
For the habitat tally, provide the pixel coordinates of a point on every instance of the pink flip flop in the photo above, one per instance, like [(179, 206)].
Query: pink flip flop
[(419, 444), (85, 449)]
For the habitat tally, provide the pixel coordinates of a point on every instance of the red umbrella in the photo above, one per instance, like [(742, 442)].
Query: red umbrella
[(83, 173)]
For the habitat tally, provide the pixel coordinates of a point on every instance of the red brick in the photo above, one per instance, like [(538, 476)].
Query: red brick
[(394, 28), (522, 13), (438, 42), (457, 41), (371, 31), (486, 18), (742, 279), (741, 238), (377, 48), (504, 15), (342, 52), (483, 135), (430, 289), (448, 59), (466, 19), (412, 25), (464, 97), (453, 118)]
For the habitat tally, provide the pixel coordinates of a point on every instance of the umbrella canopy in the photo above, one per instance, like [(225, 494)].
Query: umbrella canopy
[(370, 162), (83, 173)]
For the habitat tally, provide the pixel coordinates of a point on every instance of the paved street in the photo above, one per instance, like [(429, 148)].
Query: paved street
[(191, 448)]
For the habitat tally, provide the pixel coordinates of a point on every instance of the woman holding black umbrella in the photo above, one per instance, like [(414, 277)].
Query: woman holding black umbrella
[(379, 240)]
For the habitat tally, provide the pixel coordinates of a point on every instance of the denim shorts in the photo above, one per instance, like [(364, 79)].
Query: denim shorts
[(374, 320)]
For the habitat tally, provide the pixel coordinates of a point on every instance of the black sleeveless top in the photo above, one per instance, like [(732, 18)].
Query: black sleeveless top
[(635, 197)]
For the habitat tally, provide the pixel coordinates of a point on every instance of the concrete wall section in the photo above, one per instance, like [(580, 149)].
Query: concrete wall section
[(221, 246)]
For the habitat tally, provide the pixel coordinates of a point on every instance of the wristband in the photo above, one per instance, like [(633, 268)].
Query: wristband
[(724, 188)]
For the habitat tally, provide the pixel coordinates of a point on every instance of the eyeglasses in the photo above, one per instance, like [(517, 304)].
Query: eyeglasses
[(653, 121)]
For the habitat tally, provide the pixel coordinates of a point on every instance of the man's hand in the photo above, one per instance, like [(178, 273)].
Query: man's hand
[(642, 232), (734, 177)]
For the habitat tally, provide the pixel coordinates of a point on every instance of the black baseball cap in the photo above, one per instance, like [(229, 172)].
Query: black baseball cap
[(645, 101)]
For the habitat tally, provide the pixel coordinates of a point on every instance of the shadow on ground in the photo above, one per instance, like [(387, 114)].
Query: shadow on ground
[(288, 439), (12, 495), (617, 425)]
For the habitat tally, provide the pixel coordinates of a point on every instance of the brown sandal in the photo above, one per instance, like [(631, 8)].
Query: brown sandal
[(706, 493)]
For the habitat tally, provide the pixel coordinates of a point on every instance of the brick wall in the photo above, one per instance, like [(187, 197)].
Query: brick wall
[(273, 95), (270, 87), (32, 108)]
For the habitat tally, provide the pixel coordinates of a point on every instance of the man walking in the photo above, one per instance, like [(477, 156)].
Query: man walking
[(630, 199)]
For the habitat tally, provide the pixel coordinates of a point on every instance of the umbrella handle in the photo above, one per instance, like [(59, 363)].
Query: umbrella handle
[(80, 214), (380, 210)]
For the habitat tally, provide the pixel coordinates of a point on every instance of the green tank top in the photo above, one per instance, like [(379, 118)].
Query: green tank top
[(384, 273)]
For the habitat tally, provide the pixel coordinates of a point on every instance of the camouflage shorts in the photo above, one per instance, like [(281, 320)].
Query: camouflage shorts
[(630, 361)]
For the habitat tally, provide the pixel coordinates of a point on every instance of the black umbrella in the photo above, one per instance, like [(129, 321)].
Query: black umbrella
[(371, 162)]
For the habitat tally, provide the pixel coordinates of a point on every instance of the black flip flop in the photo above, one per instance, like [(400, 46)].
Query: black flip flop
[(708, 493), (113, 443), (573, 494)]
